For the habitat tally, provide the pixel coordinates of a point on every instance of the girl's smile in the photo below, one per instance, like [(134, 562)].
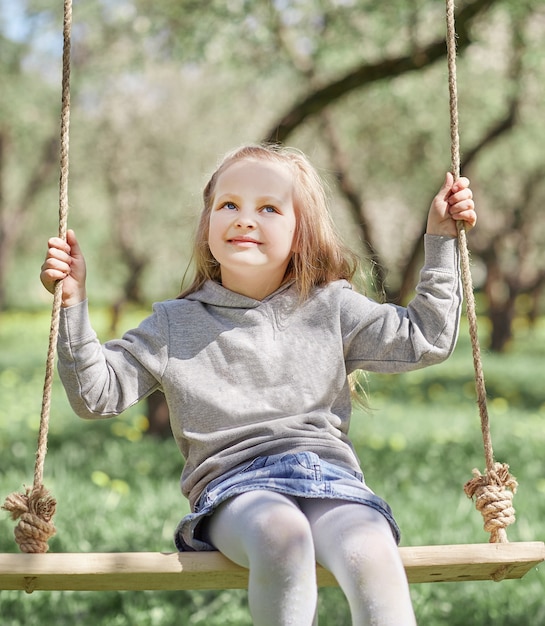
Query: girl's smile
[(244, 241)]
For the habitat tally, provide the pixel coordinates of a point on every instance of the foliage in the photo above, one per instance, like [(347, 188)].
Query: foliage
[(118, 490), (160, 90)]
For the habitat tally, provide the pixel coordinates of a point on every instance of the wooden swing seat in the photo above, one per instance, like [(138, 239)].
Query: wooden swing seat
[(141, 571)]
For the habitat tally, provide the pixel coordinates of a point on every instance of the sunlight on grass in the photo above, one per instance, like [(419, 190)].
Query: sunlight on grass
[(118, 490)]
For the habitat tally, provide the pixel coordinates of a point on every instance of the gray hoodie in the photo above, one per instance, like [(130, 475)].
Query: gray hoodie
[(245, 378)]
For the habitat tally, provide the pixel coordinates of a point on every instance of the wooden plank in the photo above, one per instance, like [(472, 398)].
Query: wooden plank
[(486, 561), (211, 570)]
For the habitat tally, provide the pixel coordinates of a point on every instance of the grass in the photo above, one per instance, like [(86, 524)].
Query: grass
[(118, 489)]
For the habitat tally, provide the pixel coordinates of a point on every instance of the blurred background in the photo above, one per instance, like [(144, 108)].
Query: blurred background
[(161, 89)]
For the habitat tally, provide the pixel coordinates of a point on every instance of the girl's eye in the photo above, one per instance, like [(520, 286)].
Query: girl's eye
[(269, 209), (229, 205)]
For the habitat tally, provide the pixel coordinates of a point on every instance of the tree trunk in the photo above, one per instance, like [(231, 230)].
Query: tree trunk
[(158, 416)]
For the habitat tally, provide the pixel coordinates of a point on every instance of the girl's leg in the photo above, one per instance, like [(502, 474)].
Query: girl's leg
[(355, 543), (268, 533)]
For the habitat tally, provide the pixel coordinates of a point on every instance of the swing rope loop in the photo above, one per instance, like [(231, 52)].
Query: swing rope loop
[(35, 508), (493, 491)]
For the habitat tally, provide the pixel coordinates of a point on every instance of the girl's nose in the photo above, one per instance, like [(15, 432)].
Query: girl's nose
[(244, 221)]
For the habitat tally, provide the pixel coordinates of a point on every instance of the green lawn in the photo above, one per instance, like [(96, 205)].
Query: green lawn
[(117, 489)]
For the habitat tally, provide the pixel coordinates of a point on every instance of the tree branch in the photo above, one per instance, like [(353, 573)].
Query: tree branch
[(353, 198), (317, 100)]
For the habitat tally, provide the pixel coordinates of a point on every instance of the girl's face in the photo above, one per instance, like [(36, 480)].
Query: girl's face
[(252, 226)]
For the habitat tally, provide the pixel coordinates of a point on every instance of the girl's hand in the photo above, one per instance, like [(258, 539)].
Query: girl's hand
[(64, 261), (453, 202)]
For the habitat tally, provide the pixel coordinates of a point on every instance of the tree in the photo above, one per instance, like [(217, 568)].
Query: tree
[(28, 151), (161, 89), (416, 58), (319, 100)]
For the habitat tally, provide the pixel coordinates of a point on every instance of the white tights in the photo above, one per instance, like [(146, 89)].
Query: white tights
[(280, 538)]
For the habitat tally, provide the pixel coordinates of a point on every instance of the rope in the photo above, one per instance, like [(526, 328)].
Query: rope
[(493, 491), (35, 508)]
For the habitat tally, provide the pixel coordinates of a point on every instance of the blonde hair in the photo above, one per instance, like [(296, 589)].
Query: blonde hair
[(320, 256)]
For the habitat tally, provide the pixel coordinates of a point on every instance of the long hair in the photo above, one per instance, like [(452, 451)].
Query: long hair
[(320, 256)]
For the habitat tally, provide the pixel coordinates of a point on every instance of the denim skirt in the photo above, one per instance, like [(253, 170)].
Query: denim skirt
[(300, 474)]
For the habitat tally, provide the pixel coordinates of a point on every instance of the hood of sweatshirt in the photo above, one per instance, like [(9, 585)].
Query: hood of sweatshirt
[(214, 294)]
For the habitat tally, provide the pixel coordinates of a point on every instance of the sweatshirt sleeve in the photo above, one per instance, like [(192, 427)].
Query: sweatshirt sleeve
[(102, 380), (387, 338)]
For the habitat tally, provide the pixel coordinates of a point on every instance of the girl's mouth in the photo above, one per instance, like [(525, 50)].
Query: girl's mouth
[(244, 241)]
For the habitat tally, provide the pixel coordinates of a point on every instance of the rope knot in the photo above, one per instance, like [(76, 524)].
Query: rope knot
[(34, 510), (493, 493)]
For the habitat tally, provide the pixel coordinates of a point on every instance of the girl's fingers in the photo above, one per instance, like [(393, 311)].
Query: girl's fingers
[(464, 211), (460, 196), (461, 183), (56, 265)]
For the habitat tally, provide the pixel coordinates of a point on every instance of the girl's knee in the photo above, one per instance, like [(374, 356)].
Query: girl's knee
[(263, 529), (283, 533), (352, 536), (369, 544), (371, 549)]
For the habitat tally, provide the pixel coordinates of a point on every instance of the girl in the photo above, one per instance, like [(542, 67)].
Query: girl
[(254, 359)]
